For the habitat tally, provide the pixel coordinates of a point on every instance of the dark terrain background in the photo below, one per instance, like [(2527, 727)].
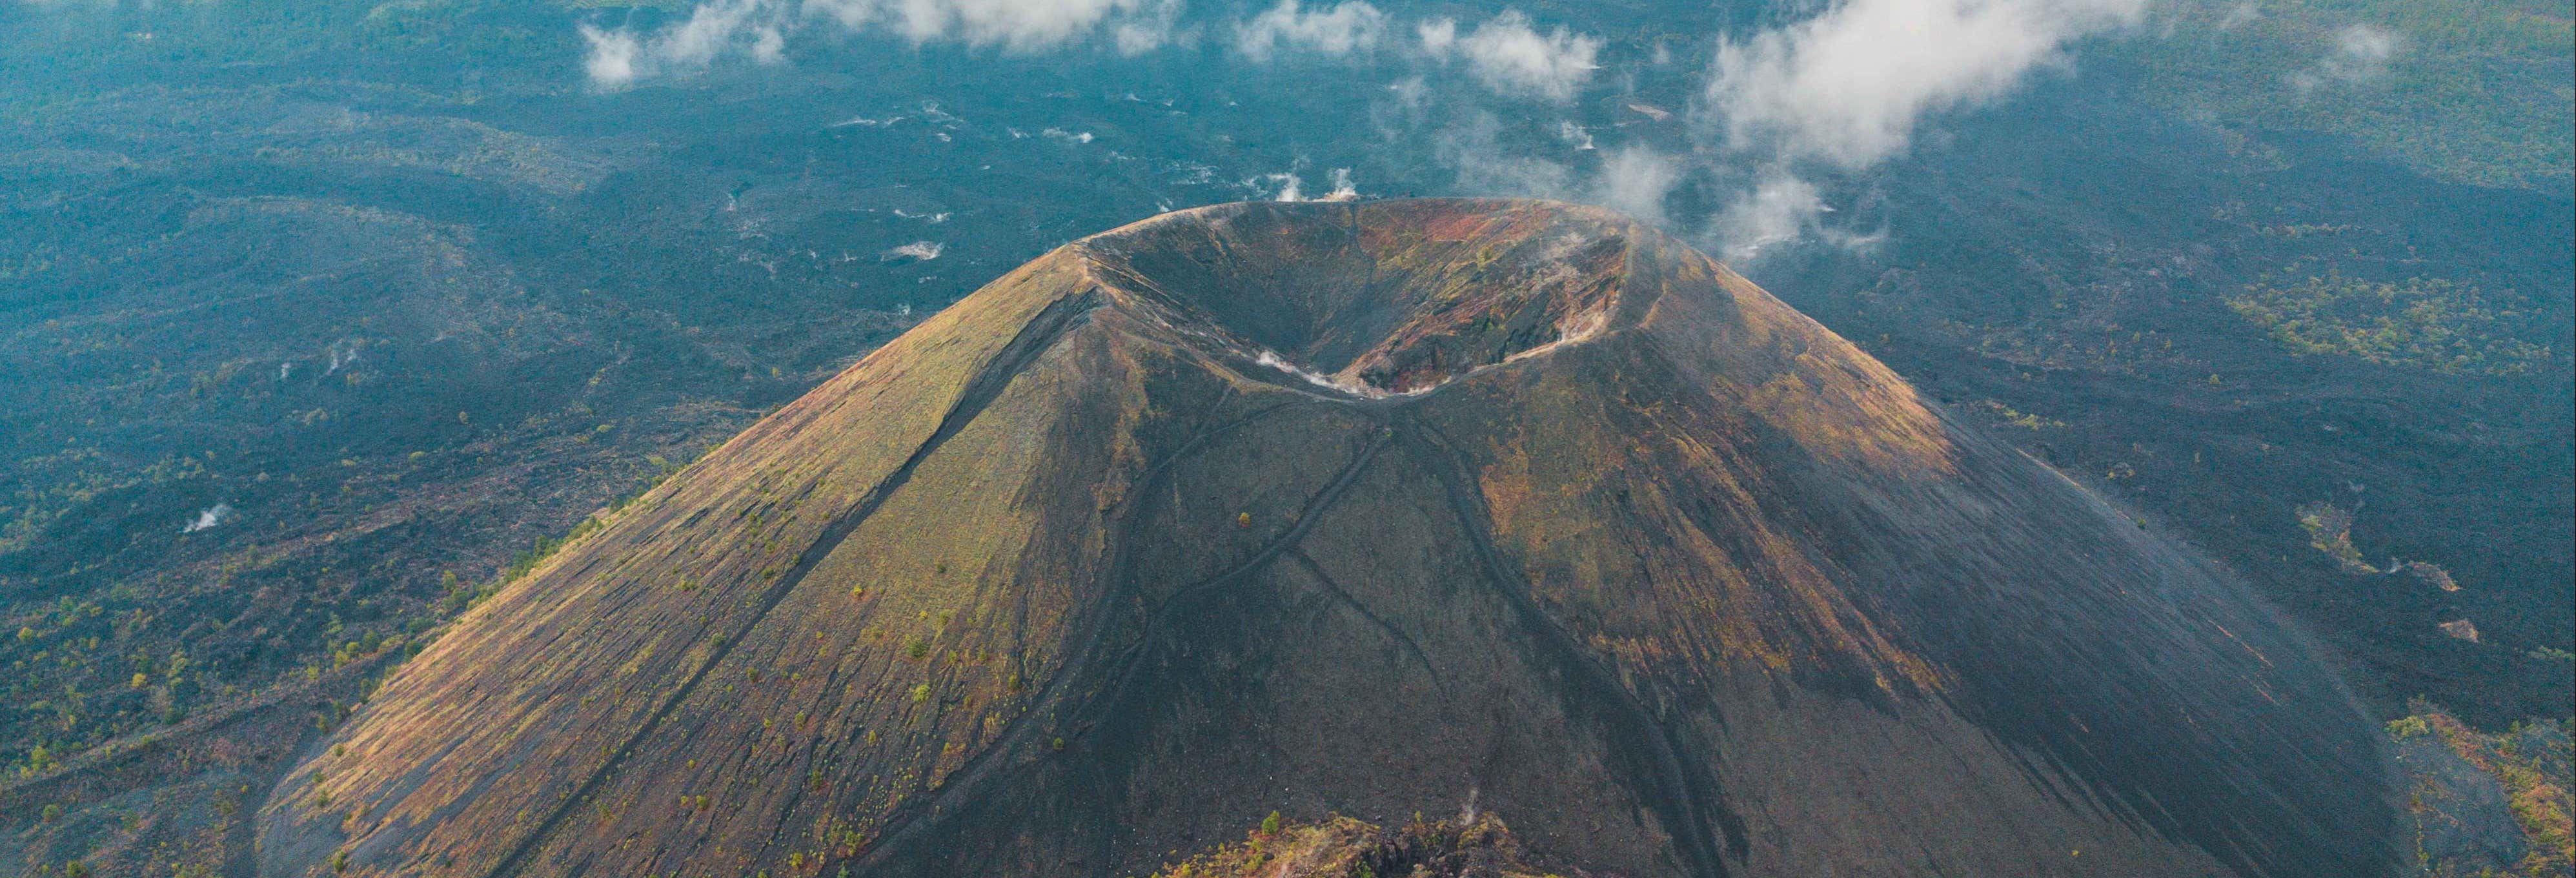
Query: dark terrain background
[(390, 295)]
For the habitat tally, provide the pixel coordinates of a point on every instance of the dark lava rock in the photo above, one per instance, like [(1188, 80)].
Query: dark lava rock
[(1372, 508)]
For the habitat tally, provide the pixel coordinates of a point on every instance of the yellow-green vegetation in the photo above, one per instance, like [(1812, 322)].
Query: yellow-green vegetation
[(2329, 530), (2473, 91), (1341, 847), (2024, 420), (2421, 323), (2530, 760)]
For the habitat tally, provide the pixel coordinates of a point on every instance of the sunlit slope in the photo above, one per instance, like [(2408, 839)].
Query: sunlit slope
[(1375, 508)]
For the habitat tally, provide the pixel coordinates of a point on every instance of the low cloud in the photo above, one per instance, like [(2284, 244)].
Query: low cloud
[(2239, 15), (1015, 24), (1635, 181), (759, 29), (1511, 57), (1290, 27), (1786, 115), (750, 28), (1473, 147), (1848, 86), (1779, 208), (1846, 90), (2360, 54)]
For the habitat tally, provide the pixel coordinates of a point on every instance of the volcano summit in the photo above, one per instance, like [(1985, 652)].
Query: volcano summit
[(1377, 508)]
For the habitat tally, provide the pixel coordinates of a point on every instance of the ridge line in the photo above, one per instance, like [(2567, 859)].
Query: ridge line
[(1034, 338), (1691, 829)]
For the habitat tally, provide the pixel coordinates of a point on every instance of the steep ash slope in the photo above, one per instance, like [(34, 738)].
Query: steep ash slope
[(1376, 508)]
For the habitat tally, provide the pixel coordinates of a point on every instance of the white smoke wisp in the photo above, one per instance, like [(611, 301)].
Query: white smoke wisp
[(1510, 57), (1576, 136), (1343, 187), (1271, 359), (917, 251), (212, 516), (1289, 186), (1342, 29)]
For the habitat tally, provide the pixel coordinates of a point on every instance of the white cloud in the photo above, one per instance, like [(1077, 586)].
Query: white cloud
[(2366, 47), (1016, 24), (1575, 135), (1437, 35), (1510, 57), (751, 27), (1137, 38), (2239, 15), (1348, 27), (612, 56), (1634, 181), (1846, 90), (2360, 54), (1848, 86), (1780, 208), (711, 29), (1474, 148), (759, 29)]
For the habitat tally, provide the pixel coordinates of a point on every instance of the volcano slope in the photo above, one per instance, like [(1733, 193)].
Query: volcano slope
[(1379, 508)]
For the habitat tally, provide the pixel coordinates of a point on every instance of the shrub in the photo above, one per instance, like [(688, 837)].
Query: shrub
[(2431, 324)]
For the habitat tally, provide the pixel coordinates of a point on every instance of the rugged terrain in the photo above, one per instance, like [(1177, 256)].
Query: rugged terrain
[(1472, 846), (1378, 509)]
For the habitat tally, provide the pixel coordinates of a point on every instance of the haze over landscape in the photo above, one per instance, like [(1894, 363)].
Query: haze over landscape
[(1126, 437)]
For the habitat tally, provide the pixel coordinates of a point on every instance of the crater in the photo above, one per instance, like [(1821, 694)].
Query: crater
[(1375, 299)]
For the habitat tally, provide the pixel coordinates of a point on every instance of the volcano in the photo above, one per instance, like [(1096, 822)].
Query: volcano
[(1371, 509)]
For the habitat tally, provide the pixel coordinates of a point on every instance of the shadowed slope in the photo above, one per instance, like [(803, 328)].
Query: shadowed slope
[(1375, 508)]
